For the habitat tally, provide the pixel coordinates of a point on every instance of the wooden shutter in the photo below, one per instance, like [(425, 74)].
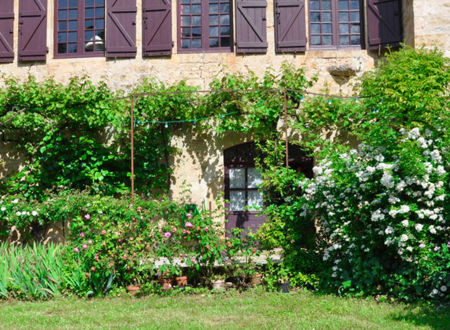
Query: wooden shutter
[(32, 30), (157, 27), (121, 28), (290, 26), (6, 31), (251, 35), (384, 23)]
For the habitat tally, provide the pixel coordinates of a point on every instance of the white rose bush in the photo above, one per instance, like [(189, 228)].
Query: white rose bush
[(387, 226)]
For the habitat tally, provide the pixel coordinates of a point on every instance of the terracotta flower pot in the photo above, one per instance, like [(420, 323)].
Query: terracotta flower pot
[(166, 283), (181, 280), (255, 279), (133, 289)]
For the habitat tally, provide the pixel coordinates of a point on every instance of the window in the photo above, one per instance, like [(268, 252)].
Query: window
[(204, 25), (335, 23), (244, 192), (80, 28)]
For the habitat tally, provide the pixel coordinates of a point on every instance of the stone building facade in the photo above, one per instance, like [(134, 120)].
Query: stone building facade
[(313, 42)]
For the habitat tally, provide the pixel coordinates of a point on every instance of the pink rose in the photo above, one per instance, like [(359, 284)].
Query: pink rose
[(87, 216), (82, 234), (206, 229), (75, 249), (174, 229), (84, 246), (167, 235), (189, 215), (103, 232), (189, 225), (184, 231)]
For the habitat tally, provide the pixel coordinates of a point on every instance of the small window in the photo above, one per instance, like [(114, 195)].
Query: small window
[(204, 25), (335, 23), (80, 28)]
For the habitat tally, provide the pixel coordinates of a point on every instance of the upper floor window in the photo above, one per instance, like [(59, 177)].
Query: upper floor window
[(204, 25), (335, 23), (80, 28)]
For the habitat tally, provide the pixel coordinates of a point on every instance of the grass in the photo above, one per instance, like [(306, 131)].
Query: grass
[(252, 309)]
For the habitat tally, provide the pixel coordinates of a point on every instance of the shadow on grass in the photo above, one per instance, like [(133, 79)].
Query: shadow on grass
[(436, 317)]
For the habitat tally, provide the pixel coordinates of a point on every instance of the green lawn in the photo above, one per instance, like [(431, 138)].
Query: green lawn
[(253, 309)]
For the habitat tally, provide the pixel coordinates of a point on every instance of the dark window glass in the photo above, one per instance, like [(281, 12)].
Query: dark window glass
[(335, 22), (77, 36), (205, 24)]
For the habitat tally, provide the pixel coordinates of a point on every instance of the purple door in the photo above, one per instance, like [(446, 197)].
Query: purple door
[(242, 179)]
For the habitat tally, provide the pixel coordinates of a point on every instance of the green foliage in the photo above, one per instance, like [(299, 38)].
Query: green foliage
[(30, 272)]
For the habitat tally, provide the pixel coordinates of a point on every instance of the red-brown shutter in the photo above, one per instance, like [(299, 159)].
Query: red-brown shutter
[(32, 30), (251, 35), (121, 28), (290, 26), (384, 23), (6, 31), (157, 27)]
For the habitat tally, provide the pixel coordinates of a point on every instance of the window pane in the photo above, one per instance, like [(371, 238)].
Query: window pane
[(88, 35), (225, 42), (196, 9), (73, 3), (197, 32), (343, 17), (196, 20), (255, 200), (326, 17), (89, 12), (185, 43), (253, 178), (225, 31), (100, 23), (99, 2), (99, 12), (196, 1), (315, 17), (326, 5), (213, 9), (315, 40), (343, 28), (72, 36), (73, 25), (62, 37), (62, 14), (62, 26), (89, 3), (314, 5), (214, 42), (224, 8), (315, 28), (326, 28), (186, 21), (99, 46), (72, 48), (354, 4), (62, 48), (186, 32), (327, 40), (343, 5), (354, 16), (185, 1), (355, 28), (214, 31), (237, 200), (89, 24), (62, 4), (73, 14), (185, 9), (237, 177), (224, 19), (196, 43), (100, 35), (213, 20), (356, 40), (344, 40)]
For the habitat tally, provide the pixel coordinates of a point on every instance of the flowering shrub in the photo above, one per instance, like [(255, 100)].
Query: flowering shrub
[(385, 218)]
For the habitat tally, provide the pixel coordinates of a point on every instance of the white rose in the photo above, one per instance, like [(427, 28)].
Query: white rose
[(419, 227), (34, 213), (405, 223), (3, 208), (404, 238), (443, 288)]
